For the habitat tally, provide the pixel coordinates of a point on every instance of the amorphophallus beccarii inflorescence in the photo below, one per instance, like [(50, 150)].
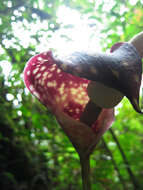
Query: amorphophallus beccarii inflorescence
[(82, 89)]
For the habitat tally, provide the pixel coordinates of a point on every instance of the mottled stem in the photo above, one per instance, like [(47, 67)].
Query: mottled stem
[(85, 171)]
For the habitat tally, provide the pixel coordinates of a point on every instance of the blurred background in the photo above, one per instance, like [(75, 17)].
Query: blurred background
[(35, 154)]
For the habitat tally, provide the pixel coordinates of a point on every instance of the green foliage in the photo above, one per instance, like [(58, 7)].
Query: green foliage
[(34, 152)]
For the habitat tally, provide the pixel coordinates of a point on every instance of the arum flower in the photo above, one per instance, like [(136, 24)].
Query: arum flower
[(82, 90)]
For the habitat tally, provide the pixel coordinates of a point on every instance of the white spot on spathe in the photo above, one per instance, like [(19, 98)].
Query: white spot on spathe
[(52, 68), (52, 84), (38, 75), (115, 73), (28, 72), (125, 63), (58, 70), (50, 75), (35, 70), (39, 58), (43, 68), (45, 74), (93, 70)]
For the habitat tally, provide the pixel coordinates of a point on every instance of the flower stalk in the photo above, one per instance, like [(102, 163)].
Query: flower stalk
[(85, 172)]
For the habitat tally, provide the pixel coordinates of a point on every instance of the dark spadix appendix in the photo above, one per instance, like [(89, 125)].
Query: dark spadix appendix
[(82, 89)]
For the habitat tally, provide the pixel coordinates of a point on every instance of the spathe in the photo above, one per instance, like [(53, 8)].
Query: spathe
[(66, 96), (67, 88)]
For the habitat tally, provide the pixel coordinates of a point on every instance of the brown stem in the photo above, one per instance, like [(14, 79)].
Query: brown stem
[(131, 175), (85, 171)]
